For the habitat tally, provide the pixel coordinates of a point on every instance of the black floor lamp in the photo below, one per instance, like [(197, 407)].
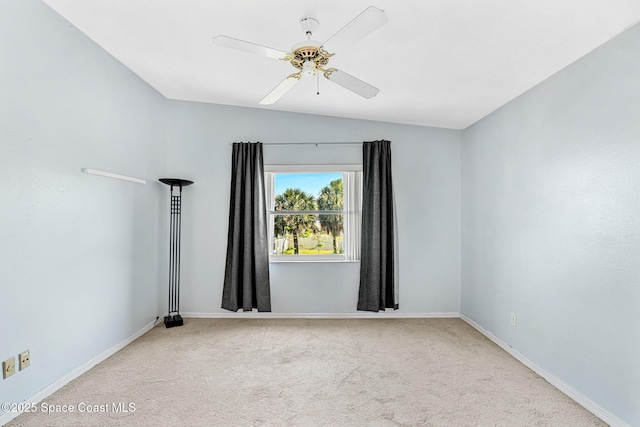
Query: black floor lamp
[(173, 317)]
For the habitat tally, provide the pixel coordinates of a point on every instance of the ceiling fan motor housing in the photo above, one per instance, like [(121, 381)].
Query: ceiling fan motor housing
[(309, 56)]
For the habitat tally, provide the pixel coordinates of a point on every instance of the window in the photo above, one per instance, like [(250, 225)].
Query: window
[(314, 212)]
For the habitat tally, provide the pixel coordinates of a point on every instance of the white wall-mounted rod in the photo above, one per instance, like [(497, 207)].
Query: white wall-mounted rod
[(113, 175)]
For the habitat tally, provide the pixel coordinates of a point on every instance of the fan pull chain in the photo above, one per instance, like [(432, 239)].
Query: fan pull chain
[(318, 83)]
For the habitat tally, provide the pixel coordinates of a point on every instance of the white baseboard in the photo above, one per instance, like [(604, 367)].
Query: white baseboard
[(583, 400), (354, 315), (48, 391)]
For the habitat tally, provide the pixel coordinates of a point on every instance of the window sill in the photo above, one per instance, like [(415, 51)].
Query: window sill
[(314, 261)]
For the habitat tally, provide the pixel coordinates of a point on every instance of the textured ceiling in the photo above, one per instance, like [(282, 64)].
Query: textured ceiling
[(444, 63)]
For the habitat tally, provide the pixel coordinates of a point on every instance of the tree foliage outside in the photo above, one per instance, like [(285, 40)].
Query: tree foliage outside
[(331, 198), (303, 225), (294, 199)]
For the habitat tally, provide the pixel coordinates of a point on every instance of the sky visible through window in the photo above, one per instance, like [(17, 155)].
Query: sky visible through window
[(310, 183)]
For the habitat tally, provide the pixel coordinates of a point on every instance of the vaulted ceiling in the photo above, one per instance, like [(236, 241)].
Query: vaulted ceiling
[(444, 63)]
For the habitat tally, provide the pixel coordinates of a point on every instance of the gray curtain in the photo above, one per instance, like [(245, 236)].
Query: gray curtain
[(377, 263), (246, 276)]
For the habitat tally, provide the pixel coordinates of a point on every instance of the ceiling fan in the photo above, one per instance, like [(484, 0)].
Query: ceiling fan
[(311, 57)]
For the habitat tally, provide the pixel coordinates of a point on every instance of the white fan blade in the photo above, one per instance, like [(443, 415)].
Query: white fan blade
[(361, 26), (353, 84), (249, 47), (280, 90)]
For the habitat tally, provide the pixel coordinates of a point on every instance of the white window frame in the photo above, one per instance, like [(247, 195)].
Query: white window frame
[(352, 179)]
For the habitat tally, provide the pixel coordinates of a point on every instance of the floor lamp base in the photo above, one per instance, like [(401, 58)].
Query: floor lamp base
[(171, 321)]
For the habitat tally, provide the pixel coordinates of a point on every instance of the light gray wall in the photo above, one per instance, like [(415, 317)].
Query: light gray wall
[(426, 171), (79, 253), (551, 225)]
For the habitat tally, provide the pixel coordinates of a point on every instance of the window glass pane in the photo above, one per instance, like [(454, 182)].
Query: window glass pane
[(313, 233), (308, 234), (302, 191)]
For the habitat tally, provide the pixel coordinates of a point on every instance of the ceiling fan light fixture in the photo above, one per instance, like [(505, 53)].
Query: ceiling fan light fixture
[(309, 68)]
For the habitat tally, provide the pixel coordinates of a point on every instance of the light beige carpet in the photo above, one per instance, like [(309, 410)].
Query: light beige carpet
[(313, 372)]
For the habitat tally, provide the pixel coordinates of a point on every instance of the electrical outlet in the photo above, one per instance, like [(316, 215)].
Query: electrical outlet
[(514, 319), (8, 368), (24, 360)]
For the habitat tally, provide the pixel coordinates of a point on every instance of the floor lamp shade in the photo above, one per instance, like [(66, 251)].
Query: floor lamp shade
[(173, 317)]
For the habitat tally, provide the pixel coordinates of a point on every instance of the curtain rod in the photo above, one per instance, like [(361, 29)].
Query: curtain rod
[(310, 143)]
